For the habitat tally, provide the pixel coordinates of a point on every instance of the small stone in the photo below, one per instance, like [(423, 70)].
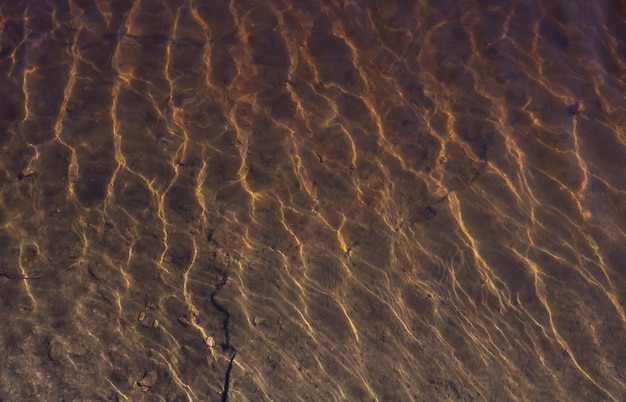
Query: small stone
[(210, 342), (187, 321), (99, 272), (142, 316), (155, 324), (149, 379)]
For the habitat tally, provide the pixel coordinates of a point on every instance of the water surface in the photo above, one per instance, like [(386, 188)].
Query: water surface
[(312, 200)]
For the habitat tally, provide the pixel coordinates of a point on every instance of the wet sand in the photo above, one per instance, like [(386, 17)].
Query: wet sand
[(350, 200)]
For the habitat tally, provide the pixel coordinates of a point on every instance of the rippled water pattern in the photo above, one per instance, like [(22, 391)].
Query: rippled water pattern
[(312, 200)]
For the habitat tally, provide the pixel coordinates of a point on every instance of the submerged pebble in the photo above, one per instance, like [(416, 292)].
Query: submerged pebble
[(149, 379)]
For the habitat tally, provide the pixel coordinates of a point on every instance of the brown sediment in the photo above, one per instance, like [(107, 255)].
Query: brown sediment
[(377, 200)]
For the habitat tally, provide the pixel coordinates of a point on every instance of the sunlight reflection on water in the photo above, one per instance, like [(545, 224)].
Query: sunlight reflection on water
[(359, 200)]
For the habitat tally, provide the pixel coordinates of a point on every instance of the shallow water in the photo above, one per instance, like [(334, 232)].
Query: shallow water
[(312, 200)]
